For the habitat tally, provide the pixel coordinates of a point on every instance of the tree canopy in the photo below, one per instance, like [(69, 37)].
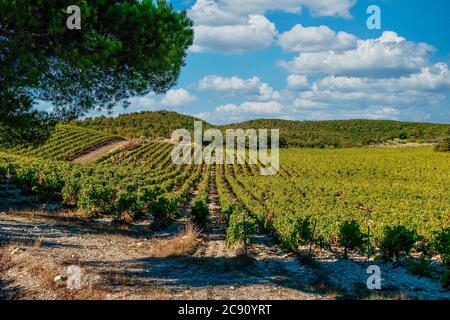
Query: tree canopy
[(124, 48)]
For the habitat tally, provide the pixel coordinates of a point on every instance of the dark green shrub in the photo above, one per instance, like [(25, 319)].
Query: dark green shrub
[(351, 237), (441, 245), (445, 279), (95, 199), (199, 212), (163, 210), (396, 241), (241, 227), (303, 230), (147, 197), (126, 203), (420, 268), (70, 192), (443, 146)]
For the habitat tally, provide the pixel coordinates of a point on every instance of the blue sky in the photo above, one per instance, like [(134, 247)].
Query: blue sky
[(313, 60)]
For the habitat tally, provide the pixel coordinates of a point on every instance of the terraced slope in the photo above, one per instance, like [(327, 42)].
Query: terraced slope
[(66, 140)]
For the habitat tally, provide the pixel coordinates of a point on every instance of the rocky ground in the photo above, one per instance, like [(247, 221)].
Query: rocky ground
[(131, 262)]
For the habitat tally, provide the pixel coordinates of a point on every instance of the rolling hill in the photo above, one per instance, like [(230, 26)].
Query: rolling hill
[(316, 134)]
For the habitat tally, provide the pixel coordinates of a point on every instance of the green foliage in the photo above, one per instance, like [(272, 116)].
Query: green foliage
[(199, 205), (351, 237), (70, 192), (396, 241), (420, 268), (163, 210), (314, 134), (125, 48), (127, 202), (351, 133), (65, 141), (241, 227), (200, 212), (445, 279), (158, 124), (441, 244), (295, 233), (443, 146), (95, 200)]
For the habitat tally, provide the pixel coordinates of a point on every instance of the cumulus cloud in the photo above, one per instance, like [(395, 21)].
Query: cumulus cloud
[(223, 84), (257, 34), (297, 82), (214, 12), (231, 86), (233, 26), (251, 108), (177, 98), (313, 39), (389, 55), (228, 113), (433, 78)]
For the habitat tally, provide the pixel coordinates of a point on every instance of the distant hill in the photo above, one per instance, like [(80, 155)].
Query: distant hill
[(316, 134), (159, 124), (347, 133)]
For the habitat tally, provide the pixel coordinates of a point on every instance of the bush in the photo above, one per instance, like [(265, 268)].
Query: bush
[(396, 241), (351, 237), (241, 227), (293, 232), (199, 212), (70, 192), (126, 203), (147, 197), (303, 230), (420, 268), (163, 210), (95, 199), (441, 245), (443, 146), (445, 279)]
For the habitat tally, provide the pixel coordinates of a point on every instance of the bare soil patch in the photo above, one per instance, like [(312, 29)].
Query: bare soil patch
[(96, 152)]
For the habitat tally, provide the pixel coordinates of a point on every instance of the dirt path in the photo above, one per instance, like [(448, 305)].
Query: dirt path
[(97, 152)]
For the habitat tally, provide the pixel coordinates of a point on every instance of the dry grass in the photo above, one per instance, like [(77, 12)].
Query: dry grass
[(38, 243), (5, 262), (181, 245)]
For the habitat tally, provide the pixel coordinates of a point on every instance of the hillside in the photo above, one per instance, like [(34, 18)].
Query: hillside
[(339, 133), (159, 124), (65, 141), (347, 133)]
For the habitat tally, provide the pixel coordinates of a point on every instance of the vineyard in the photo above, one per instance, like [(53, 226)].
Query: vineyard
[(357, 199)]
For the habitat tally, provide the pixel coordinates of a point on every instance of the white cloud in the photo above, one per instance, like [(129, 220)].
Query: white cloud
[(389, 55), (434, 78), (217, 83), (267, 93), (226, 12), (252, 108), (236, 26), (209, 13), (297, 82), (232, 86), (257, 34), (301, 103), (177, 98), (313, 39), (229, 113)]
